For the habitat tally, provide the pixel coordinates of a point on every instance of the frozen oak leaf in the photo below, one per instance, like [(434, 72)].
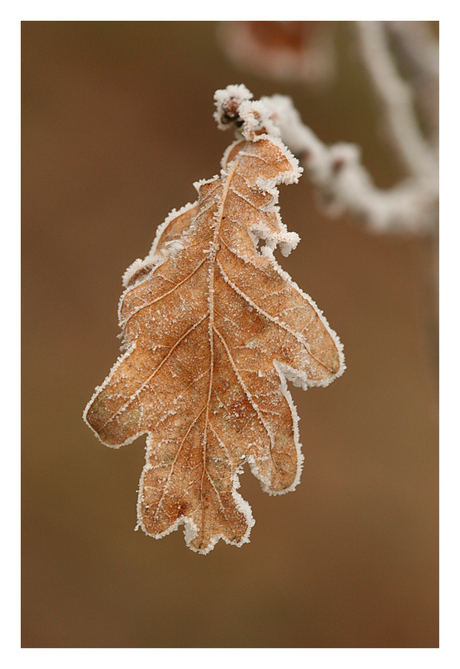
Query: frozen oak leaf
[(213, 329)]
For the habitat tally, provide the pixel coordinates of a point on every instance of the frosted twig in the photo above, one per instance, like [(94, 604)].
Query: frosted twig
[(410, 206), (396, 98), (337, 172), (418, 51)]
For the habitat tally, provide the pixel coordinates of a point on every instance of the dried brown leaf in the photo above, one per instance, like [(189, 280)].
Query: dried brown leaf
[(213, 328)]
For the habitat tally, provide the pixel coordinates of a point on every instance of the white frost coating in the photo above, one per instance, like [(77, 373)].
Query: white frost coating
[(227, 152), (255, 116), (173, 214), (98, 390), (236, 93), (153, 258), (297, 170), (235, 102), (285, 372), (130, 271), (286, 241), (322, 318), (202, 182)]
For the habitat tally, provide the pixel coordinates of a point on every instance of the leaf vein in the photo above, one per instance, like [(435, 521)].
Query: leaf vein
[(243, 387), (142, 386), (169, 292), (192, 424)]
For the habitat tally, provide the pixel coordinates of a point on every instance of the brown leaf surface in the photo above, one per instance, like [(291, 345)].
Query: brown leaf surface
[(212, 329)]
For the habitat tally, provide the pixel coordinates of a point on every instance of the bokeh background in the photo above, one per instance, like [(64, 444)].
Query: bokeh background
[(117, 125)]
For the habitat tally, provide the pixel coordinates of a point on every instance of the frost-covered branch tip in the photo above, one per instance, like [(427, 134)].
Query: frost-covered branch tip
[(234, 106)]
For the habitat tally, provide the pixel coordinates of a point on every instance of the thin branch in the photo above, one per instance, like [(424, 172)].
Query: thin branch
[(345, 184), (396, 97), (418, 51)]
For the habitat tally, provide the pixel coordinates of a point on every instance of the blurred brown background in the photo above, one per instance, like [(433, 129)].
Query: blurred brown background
[(117, 124)]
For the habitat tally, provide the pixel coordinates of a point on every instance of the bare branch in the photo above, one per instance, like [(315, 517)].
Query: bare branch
[(344, 184), (418, 51), (396, 97)]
